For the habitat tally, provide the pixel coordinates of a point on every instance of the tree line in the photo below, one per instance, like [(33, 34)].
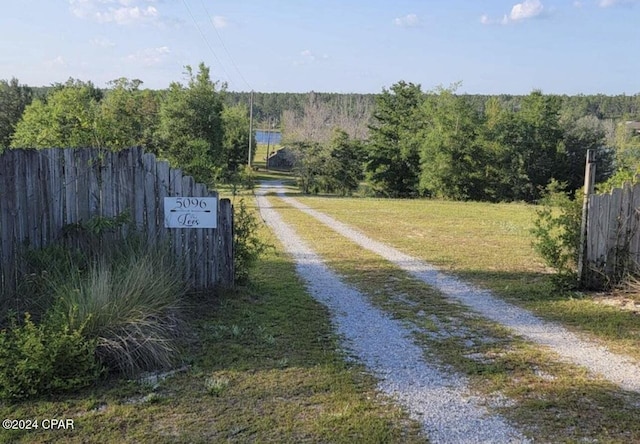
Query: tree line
[(189, 124), (403, 142), (446, 145)]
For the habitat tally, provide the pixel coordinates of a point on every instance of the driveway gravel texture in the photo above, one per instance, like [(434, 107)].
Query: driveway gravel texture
[(439, 400)]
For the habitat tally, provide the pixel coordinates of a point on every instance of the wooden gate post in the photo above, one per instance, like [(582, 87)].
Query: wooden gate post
[(589, 183)]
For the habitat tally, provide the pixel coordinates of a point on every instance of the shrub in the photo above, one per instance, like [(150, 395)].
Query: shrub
[(130, 307), (46, 358), (247, 245), (557, 232)]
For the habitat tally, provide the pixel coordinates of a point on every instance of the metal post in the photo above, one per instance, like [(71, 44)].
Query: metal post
[(589, 182)]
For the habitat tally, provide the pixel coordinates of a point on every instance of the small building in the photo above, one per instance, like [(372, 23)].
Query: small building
[(633, 126), (284, 159)]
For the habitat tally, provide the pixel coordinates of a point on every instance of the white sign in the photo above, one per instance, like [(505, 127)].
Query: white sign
[(190, 212)]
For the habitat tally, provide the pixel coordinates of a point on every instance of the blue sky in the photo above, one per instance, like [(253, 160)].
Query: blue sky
[(493, 46)]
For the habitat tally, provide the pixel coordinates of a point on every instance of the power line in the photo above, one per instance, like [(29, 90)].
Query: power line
[(204, 37), (225, 46)]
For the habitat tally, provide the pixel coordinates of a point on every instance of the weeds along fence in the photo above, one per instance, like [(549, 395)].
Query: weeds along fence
[(612, 241), (44, 193)]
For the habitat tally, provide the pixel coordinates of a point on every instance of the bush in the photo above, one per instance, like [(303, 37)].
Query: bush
[(46, 358), (247, 245), (557, 232), (130, 307)]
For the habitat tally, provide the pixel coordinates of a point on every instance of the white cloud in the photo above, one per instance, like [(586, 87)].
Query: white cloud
[(520, 11), (220, 21), (127, 15), (120, 12), (149, 56), (408, 21), (526, 10)]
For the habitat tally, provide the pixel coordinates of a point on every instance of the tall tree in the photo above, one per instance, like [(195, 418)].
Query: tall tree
[(526, 145), (393, 151), (14, 98), (191, 128), (452, 158), (235, 121), (345, 162), (128, 116), (67, 118)]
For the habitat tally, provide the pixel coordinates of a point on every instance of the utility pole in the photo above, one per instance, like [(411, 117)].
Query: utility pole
[(250, 127), (268, 140)]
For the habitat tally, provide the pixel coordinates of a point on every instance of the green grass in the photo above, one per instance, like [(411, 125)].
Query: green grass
[(489, 245), (263, 367), (552, 401)]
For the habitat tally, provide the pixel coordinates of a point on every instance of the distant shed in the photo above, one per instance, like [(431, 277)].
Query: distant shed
[(633, 126), (284, 159)]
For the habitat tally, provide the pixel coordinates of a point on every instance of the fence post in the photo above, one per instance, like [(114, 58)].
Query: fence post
[(589, 182)]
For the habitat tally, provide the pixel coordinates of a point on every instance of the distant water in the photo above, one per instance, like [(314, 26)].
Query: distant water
[(268, 137)]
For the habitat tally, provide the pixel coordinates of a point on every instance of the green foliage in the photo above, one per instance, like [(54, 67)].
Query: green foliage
[(579, 136), (247, 245), (393, 164), (309, 166), (458, 148), (191, 126), (47, 358), (336, 167), (128, 116), (42, 269), (235, 143), (627, 158), (345, 163), (130, 305), (124, 295), (67, 118), (13, 100), (557, 232), (452, 157)]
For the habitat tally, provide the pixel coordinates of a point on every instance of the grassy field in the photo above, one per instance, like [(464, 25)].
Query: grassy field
[(490, 245), (553, 402), (262, 366)]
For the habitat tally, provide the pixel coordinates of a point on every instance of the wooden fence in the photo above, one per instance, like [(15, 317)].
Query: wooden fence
[(612, 244), (44, 192)]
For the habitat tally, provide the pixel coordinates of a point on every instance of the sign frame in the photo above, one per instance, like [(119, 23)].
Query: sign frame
[(190, 212)]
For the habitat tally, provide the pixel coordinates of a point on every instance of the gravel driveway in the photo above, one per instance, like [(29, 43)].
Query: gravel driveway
[(621, 370), (440, 401)]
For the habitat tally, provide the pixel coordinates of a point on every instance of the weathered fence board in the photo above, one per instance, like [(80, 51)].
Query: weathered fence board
[(44, 191), (613, 238)]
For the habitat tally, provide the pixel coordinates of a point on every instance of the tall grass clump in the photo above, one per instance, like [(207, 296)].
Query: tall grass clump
[(131, 307)]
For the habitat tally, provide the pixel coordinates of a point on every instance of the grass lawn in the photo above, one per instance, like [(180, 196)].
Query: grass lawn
[(263, 366), (490, 245), (552, 401)]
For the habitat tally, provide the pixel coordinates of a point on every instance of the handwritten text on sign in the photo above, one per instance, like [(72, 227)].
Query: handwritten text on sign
[(190, 212)]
